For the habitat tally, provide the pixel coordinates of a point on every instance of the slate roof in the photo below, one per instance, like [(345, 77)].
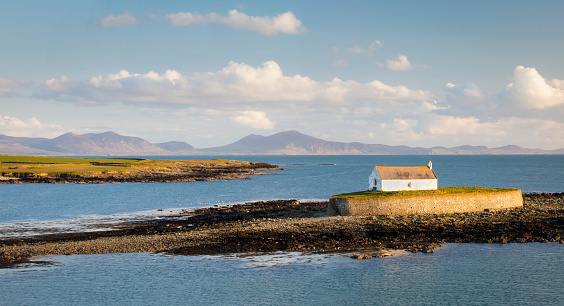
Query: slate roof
[(405, 173)]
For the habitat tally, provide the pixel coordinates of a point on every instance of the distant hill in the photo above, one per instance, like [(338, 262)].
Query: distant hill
[(108, 143), (113, 142), (71, 142), (295, 143), (177, 147), (284, 143), (21, 145)]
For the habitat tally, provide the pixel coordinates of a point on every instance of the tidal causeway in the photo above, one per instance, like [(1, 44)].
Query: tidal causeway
[(290, 225)]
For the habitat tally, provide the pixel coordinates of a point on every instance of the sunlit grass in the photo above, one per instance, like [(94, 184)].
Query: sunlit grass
[(411, 193), (40, 165)]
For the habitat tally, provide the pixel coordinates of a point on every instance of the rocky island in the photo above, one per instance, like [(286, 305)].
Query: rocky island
[(438, 201), (290, 225)]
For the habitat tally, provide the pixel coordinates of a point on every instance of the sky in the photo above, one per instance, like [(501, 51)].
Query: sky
[(416, 73)]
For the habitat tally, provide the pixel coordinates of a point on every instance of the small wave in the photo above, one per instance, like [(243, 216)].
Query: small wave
[(87, 223)]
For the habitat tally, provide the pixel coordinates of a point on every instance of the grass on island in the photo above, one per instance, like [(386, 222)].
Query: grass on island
[(412, 193), (74, 165)]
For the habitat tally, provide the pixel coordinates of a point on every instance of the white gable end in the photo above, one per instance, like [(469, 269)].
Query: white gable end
[(375, 181)]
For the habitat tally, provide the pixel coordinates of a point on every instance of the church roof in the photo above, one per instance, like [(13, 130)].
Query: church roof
[(405, 173)]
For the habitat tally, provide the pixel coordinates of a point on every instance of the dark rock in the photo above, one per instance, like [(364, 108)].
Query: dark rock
[(296, 226)]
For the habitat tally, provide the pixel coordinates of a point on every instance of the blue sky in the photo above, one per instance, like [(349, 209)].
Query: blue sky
[(419, 73)]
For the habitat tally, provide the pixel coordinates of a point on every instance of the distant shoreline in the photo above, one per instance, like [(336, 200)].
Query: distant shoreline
[(288, 225), (62, 170)]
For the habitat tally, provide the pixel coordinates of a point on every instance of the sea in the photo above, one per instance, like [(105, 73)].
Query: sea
[(475, 274)]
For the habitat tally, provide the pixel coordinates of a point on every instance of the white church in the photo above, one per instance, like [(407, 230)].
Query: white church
[(390, 178)]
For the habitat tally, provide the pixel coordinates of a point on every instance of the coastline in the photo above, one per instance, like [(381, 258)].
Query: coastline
[(289, 225), (58, 171)]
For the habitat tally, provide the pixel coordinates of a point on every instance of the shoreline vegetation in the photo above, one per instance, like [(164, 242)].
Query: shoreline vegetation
[(290, 225), (15, 169), (437, 201), (414, 193)]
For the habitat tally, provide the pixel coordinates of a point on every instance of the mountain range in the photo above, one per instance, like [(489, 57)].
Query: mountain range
[(284, 143)]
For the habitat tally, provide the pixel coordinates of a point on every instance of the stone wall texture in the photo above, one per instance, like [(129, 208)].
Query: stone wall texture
[(426, 204)]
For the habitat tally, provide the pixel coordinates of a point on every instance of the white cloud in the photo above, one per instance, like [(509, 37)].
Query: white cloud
[(398, 130), (467, 100), (529, 95), (341, 63), (124, 20), (358, 50), (465, 95), (59, 89), (254, 119), (281, 23), (376, 44), (526, 132), (420, 126), (57, 84), (402, 64), (448, 125), (403, 125), (30, 127), (529, 90), (394, 114), (8, 87), (361, 50), (428, 129), (237, 84), (186, 19)]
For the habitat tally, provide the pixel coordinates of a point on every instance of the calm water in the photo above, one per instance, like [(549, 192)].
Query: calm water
[(455, 274), (314, 180)]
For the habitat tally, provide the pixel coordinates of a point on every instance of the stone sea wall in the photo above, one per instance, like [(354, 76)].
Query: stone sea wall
[(426, 204)]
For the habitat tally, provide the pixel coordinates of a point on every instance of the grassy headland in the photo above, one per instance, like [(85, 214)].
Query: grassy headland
[(37, 169)]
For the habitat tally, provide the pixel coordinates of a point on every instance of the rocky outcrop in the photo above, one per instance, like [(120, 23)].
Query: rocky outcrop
[(288, 225)]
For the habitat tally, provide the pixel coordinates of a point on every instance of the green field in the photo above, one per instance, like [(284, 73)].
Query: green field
[(439, 191), (70, 165)]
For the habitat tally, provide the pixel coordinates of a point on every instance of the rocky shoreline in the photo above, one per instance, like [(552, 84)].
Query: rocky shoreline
[(180, 173), (290, 225)]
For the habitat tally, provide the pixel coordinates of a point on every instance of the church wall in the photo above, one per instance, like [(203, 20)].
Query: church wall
[(397, 185), (432, 204)]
